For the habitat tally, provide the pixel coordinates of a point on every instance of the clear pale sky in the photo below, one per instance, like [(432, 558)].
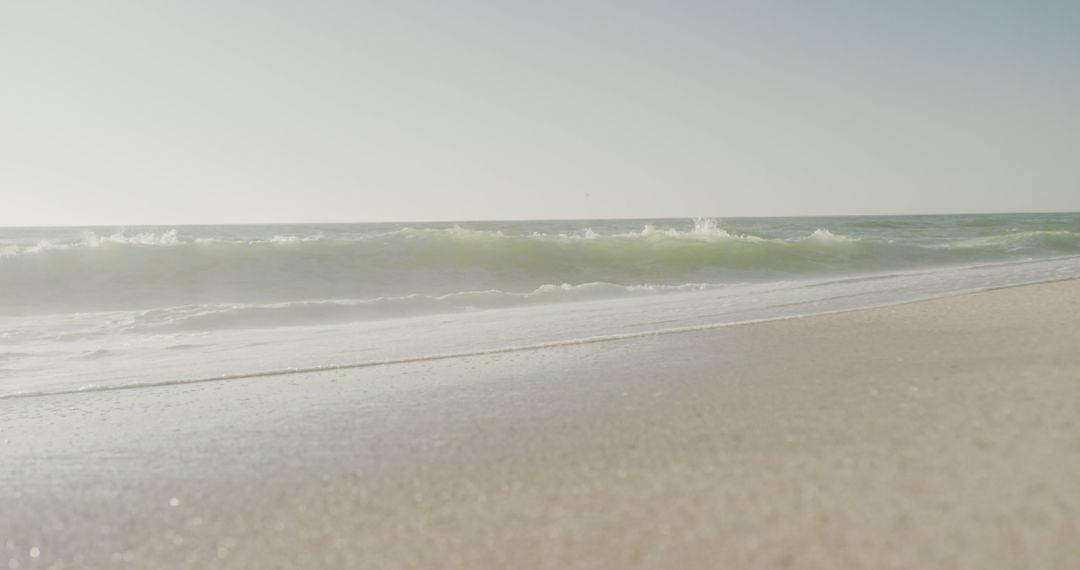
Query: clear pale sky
[(170, 112)]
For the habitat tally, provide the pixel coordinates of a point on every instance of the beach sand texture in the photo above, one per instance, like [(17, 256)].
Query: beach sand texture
[(939, 434)]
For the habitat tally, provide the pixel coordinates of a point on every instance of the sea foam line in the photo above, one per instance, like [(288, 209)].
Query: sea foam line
[(405, 360), (499, 350)]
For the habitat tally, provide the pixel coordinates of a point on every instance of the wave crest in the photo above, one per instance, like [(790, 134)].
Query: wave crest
[(141, 270)]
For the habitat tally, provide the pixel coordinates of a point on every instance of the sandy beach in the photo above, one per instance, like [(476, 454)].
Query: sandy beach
[(939, 434)]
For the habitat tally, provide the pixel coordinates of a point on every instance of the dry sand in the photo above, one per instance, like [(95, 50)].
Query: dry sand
[(940, 434)]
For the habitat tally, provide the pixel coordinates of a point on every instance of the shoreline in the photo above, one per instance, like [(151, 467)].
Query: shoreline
[(517, 348), (937, 434)]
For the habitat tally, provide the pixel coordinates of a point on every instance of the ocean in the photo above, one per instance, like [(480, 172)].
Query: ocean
[(105, 308)]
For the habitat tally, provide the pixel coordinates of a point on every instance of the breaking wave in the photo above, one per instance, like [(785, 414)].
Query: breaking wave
[(418, 269), (300, 313)]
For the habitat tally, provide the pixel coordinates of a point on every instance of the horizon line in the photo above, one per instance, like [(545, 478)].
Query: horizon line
[(509, 220)]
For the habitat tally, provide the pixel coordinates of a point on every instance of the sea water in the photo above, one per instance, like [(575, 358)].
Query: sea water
[(99, 308)]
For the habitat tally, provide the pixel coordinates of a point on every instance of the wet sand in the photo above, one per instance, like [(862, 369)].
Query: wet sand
[(939, 434)]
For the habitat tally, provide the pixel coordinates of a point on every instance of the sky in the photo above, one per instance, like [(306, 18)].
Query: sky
[(222, 111)]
